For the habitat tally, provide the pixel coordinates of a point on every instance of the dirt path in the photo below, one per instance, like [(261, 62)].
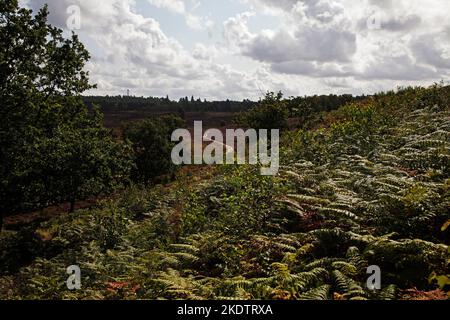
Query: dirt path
[(229, 149), (18, 220)]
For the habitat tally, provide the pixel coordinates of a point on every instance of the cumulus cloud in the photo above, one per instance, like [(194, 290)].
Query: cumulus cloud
[(236, 31), (316, 46), (398, 68), (316, 35), (331, 39), (313, 69), (202, 52), (193, 21), (173, 5), (280, 4), (306, 44), (429, 49)]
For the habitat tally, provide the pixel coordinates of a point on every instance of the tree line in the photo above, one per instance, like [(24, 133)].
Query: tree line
[(120, 103), (296, 106)]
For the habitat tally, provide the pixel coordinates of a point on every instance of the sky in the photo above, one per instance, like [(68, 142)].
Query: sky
[(240, 49)]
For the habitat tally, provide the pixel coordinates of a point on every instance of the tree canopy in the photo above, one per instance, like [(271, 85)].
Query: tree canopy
[(46, 132)]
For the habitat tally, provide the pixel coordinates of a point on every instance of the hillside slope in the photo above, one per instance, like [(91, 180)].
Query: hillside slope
[(371, 187)]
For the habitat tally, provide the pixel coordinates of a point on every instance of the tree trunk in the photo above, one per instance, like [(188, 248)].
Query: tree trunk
[(72, 206)]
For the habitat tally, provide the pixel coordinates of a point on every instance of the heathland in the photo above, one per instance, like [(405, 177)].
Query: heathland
[(363, 181)]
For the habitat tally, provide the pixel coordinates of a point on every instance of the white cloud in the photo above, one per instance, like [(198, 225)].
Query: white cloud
[(331, 39), (319, 46), (193, 21), (172, 5), (236, 32), (202, 52), (306, 44)]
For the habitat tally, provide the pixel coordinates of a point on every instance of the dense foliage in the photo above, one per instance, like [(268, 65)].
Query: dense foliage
[(110, 104), (305, 108), (152, 146), (269, 113), (309, 108), (371, 187), (362, 183), (51, 148)]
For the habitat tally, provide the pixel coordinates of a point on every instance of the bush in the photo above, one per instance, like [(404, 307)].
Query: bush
[(151, 142), (270, 113)]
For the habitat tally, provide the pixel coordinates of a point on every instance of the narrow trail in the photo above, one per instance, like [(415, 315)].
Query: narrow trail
[(228, 148)]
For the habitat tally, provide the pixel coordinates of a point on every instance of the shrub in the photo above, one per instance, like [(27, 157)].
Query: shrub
[(151, 142)]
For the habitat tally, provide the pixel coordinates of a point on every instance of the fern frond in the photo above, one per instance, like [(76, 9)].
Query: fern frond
[(319, 293)]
